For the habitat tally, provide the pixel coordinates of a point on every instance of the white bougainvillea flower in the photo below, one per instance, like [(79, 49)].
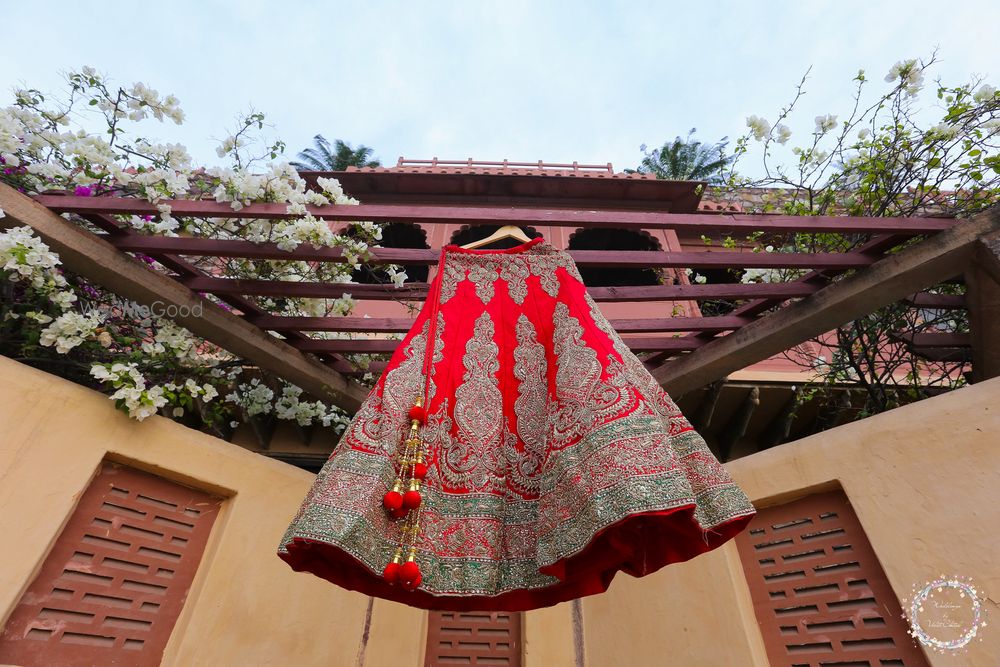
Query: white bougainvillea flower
[(909, 74), (45, 146), (759, 127), (825, 123), (70, 330)]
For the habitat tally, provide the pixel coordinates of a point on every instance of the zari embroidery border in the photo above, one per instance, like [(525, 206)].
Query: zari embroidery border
[(483, 271)]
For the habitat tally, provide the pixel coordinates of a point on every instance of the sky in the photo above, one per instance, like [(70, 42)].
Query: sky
[(527, 81)]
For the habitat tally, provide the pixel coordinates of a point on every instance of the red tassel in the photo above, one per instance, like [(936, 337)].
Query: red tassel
[(392, 501), (418, 414), (413, 585), (409, 572), (398, 513), (391, 573), (420, 470), (411, 500)]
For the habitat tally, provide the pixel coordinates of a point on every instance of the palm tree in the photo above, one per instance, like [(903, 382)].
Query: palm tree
[(686, 160), (323, 157)]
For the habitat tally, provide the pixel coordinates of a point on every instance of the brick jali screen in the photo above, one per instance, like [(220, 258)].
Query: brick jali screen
[(473, 638), (819, 593), (114, 583)]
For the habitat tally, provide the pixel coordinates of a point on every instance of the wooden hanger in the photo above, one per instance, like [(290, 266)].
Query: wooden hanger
[(505, 232)]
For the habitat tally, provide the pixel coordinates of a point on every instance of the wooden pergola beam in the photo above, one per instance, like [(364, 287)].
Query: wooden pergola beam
[(404, 324), (87, 255), (347, 368), (932, 339), (418, 291), (874, 248), (886, 281), (387, 346), (988, 255), (937, 301), (499, 215), (656, 259)]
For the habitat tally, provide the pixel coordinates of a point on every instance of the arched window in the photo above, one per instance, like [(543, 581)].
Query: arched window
[(615, 239), (472, 233), (396, 235)]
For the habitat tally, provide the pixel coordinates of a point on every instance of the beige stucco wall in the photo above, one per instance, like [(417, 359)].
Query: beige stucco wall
[(924, 481), (246, 607)]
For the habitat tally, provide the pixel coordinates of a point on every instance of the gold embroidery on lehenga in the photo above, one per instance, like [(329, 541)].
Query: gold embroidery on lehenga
[(452, 273), (483, 276), (437, 356), (484, 270), (582, 400), (658, 399), (549, 280), (530, 409), (380, 422), (473, 460), (515, 273)]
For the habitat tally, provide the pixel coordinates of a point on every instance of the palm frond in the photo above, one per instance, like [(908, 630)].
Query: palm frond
[(685, 159), (323, 156)]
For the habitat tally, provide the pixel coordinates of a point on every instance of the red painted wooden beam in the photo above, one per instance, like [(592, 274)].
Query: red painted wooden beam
[(347, 368), (938, 301), (416, 256), (934, 339), (403, 324), (180, 266), (376, 346), (479, 215), (418, 291)]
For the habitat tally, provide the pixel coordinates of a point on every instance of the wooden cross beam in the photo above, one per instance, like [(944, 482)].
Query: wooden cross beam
[(404, 324), (418, 291), (944, 256), (98, 260), (500, 215), (652, 259)]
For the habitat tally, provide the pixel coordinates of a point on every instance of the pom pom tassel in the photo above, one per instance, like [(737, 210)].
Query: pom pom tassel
[(392, 501), (409, 572), (418, 414), (391, 572)]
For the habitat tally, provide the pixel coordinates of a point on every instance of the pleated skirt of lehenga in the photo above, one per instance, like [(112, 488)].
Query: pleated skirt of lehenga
[(555, 459)]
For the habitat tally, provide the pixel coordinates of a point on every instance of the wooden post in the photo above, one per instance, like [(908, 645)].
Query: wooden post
[(982, 281)]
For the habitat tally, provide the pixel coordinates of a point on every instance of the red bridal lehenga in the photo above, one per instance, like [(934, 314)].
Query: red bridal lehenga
[(513, 455)]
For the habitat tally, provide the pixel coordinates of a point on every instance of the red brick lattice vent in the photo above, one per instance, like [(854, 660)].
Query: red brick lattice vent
[(820, 595), (113, 585), (473, 638)]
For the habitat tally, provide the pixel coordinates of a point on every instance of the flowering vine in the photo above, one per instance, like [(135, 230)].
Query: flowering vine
[(888, 153), (148, 364)]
